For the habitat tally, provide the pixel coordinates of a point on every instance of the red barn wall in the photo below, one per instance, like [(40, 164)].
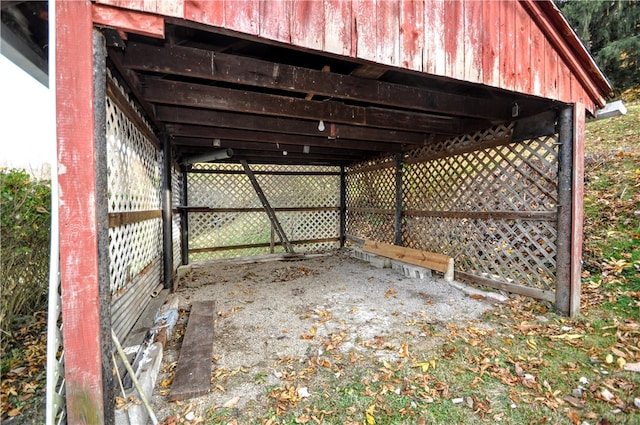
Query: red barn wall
[(496, 43)]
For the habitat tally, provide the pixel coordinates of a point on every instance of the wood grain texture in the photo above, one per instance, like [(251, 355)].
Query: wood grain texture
[(193, 371), (274, 20), (337, 27), (307, 24), (491, 43), (577, 207), (434, 42), (78, 216), (412, 34), (430, 260), (364, 15), (128, 20), (474, 26)]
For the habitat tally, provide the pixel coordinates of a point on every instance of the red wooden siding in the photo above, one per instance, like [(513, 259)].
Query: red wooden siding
[(518, 45)]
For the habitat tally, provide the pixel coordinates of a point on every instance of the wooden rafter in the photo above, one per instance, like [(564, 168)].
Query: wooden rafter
[(198, 63), (220, 98)]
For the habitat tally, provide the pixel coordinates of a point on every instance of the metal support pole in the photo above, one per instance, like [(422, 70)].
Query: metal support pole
[(398, 215), (343, 206), (102, 211), (563, 244), (184, 218), (167, 222)]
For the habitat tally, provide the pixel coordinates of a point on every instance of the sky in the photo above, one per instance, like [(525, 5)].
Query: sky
[(27, 119)]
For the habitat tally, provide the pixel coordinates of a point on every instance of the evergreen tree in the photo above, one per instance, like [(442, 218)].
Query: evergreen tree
[(610, 29)]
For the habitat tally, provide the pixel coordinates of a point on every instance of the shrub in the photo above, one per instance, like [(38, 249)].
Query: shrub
[(24, 247)]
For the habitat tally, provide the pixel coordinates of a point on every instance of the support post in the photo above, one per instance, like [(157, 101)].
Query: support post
[(102, 209), (577, 207), (343, 206), (267, 208), (167, 213), (398, 213), (184, 218), (563, 245), (83, 217)]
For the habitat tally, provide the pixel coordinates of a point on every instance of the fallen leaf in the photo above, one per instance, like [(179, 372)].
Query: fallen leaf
[(16, 412), (567, 336), (390, 292), (573, 416), (369, 415), (632, 367)]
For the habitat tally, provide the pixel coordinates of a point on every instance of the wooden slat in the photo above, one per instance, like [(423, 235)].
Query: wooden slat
[(242, 16), (387, 34), (538, 66), (260, 245), (491, 43), (122, 218), (272, 16), (474, 26), (454, 38), (507, 44), (210, 12), (537, 293), (307, 23), (430, 260), (193, 371), (522, 50), (337, 27), (411, 34), (129, 21), (550, 71), (236, 210), (434, 43), (364, 39), (484, 215)]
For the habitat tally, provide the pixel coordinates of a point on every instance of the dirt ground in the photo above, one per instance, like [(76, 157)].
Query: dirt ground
[(273, 314)]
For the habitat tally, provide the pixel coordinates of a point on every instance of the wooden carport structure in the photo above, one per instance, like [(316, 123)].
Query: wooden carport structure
[(397, 96)]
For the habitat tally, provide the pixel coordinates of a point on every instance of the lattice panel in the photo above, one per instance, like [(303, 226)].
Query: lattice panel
[(515, 177), (220, 190), (514, 251), (134, 165), (366, 225), (371, 191), (373, 188), (511, 178), (176, 187), (131, 248), (134, 184)]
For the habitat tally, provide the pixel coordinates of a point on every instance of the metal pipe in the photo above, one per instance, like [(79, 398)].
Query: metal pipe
[(209, 156), (167, 222), (563, 243)]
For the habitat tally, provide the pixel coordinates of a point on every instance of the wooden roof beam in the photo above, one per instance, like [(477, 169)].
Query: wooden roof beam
[(211, 97), (197, 63), (225, 119), (192, 131)]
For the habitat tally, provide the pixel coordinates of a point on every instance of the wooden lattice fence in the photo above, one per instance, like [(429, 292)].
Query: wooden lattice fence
[(226, 218), (134, 170), (486, 201)]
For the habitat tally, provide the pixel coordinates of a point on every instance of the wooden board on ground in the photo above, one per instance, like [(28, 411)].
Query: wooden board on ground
[(431, 260), (193, 372)]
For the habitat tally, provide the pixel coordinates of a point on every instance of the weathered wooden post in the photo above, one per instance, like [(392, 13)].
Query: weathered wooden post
[(84, 259)]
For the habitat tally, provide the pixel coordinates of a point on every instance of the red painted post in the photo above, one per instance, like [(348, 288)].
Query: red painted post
[(577, 206), (79, 265)]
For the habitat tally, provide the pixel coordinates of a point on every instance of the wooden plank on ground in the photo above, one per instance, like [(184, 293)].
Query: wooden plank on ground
[(193, 372), (430, 260)]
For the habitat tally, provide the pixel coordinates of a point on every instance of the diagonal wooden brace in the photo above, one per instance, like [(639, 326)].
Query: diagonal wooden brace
[(268, 209)]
